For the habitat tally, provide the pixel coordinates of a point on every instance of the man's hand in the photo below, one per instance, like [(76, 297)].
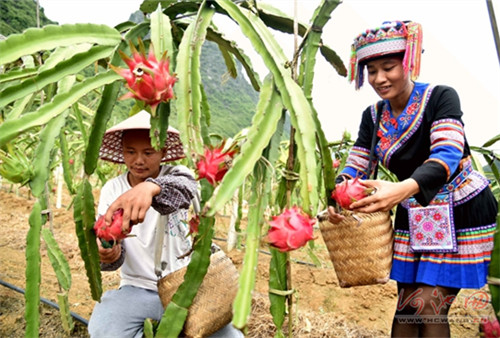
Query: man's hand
[(109, 255), (135, 203), (333, 216)]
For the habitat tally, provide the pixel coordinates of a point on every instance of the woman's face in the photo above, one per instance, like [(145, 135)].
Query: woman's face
[(387, 77)]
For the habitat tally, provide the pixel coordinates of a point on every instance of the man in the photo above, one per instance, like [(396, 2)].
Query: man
[(145, 191)]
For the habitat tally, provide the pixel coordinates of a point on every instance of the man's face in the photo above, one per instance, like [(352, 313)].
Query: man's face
[(141, 159)]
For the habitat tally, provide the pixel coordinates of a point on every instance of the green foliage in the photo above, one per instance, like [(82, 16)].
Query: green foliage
[(57, 259), (64, 309), (293, 99), (258, 202), (277, 281), (189, 99), (16, 16), (84, 217), (492, 168), (61, 268), (265, 122), (33, 269), (232, 101)]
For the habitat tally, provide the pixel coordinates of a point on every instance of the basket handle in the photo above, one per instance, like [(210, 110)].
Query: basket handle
[(160, 233), (374, 141)]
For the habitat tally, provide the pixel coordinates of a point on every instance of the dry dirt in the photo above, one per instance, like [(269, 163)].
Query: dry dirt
[(323, 309)]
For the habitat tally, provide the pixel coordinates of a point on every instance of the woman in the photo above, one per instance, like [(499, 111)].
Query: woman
[(445, 216)]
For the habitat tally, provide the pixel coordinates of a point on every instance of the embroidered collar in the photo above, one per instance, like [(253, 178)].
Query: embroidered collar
[(393, 132)]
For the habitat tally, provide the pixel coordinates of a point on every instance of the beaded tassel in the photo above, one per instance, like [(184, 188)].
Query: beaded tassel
[(353, 66), (411, 61)]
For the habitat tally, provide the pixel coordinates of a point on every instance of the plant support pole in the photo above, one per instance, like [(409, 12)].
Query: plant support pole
[(494, 26)]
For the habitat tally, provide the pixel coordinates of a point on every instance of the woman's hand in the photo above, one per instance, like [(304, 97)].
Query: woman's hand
[(135, 203), (109, 255), (386, 196)]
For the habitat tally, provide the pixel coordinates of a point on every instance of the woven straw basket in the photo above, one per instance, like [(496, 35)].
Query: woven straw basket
[(212, 308), (360, 247)]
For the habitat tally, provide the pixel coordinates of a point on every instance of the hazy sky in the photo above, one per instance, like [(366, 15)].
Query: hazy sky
[(458, 43)]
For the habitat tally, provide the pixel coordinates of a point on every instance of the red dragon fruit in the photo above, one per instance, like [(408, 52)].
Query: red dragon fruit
[(350, 191), (290, 230), (112, 233), (214, 163), (490, 328), (148, 79)]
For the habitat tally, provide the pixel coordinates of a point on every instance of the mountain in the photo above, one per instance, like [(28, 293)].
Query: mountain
[(232, 101), (16, 16)]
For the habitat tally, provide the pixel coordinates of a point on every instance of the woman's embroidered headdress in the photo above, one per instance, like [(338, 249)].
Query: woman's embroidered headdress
[(390, 38)]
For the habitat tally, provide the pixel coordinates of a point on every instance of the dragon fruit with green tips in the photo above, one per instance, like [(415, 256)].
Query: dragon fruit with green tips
[(110, 235), (148, 79)]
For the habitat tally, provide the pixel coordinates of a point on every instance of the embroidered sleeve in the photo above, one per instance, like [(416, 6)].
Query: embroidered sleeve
[(447, 144), (357, 163), (177, 190)]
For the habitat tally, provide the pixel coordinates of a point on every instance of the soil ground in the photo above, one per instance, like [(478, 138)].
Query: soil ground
[(322, 308)]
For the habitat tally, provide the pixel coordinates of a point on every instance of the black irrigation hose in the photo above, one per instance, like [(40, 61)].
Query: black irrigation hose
[(46, 301)]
